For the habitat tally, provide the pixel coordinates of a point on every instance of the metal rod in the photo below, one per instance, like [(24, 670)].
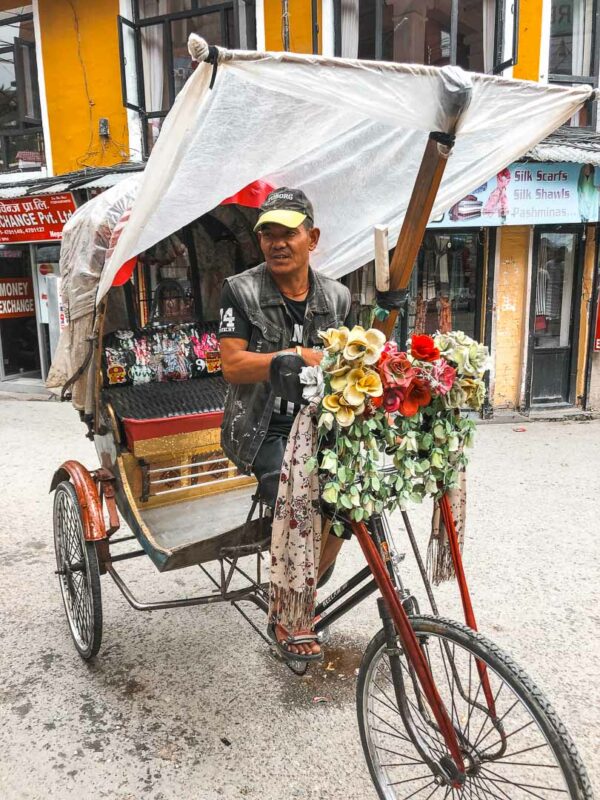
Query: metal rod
[(263, 588), (122, 539), (285, 24), (187, 488), (164, 604), (410, 643), (453, 31), (126, 556), (328, 618), (451, 533), (156, 481), (187, 465), (343, 590), (420, 564)]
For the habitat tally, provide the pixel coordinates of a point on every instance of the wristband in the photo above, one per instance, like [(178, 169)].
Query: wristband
[(299, 350)]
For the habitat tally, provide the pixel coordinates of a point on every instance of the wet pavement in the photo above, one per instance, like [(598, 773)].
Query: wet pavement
[(190, 704)]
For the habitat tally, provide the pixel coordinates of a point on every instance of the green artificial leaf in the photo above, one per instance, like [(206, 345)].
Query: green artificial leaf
[(311, 465), (431, 485), (426, 441), (345, 501), (338, 527), (330, 493), (357, 514), (375, 483)]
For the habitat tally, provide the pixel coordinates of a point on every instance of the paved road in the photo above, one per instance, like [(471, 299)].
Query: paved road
[(188, 704)]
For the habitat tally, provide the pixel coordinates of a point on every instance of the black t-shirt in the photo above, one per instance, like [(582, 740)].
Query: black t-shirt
[(235, 324)]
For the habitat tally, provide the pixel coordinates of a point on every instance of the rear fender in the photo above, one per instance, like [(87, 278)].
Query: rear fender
[(92, 518)]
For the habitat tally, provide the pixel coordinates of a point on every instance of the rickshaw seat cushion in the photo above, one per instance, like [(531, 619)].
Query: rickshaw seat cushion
[(152, 410), (139, 429)]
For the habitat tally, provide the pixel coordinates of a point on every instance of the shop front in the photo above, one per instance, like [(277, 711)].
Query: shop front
[(30, 233), (511, 264)]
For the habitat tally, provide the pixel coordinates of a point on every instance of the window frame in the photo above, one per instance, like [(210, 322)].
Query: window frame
[(239, 14), (588, 80), (499, 24), (25, 125)]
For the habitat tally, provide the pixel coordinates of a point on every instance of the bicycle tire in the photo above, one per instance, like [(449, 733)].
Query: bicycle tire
[(501, 668), (82, 597)]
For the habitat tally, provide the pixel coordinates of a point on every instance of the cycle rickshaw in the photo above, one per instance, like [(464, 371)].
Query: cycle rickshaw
[(442, 711)]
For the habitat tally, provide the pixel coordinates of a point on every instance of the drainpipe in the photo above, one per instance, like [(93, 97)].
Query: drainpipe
[(285, 24)]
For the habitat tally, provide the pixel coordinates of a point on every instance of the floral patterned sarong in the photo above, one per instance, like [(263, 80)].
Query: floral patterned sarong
[(296, 536)]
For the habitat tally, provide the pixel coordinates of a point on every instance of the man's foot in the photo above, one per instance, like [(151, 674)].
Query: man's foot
[(306, 648)]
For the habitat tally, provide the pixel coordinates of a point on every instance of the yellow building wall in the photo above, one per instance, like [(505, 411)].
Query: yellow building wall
[(80, 50), (511, 314), (300, 25), (529, 40), (586, 299)]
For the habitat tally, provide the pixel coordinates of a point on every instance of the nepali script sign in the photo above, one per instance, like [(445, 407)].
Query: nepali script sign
[(16, 298), (35, 219), (529, 194)]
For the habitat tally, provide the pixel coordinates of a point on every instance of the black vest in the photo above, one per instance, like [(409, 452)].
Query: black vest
[(248, 407)]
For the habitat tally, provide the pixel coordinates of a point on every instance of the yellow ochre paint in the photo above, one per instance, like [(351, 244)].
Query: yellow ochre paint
[(80, 50), (511, 313), (300, 25), (530, 38)]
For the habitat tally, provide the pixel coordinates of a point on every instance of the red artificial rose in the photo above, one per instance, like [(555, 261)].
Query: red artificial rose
[(376, 401), (418, 394), (396, 370), (391, 400), (422, 347)]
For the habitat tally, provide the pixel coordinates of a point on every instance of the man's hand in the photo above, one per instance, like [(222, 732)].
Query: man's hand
[(242, 366), (312, 358)]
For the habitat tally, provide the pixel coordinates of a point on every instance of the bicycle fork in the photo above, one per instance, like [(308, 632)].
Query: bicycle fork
[(454, 767)]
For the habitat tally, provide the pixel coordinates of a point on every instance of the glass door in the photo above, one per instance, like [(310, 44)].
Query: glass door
[(552, 331), (445, 290), (19, 350)]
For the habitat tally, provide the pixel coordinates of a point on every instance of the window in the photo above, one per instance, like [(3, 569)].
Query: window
[(478, 35), (572, 49), (446, 285), (21, 140), (154, 54)]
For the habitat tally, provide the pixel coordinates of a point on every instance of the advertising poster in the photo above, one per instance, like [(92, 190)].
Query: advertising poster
[(529, 194), (44, 270)]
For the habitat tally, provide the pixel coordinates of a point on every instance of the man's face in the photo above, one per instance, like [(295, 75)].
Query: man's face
[(287, 250)]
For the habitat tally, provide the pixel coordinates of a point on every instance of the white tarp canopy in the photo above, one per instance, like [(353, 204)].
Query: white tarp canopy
[(351, 134)]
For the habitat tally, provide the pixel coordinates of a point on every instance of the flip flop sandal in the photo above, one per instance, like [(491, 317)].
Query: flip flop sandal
[(287, 655)]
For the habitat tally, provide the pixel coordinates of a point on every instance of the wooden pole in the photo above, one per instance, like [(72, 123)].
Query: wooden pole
[(415, 222)]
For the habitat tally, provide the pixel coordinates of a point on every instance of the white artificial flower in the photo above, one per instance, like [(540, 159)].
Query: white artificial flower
[(312, 380)]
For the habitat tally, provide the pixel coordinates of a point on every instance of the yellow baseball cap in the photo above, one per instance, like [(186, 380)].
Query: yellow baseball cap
[(289, 207)]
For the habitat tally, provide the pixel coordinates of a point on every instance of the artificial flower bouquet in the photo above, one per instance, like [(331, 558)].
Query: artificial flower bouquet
[(380, 407)]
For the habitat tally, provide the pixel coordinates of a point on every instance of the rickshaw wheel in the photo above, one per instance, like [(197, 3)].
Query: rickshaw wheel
[(78, 572)]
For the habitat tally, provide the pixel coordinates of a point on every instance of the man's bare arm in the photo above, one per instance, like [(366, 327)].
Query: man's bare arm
[(241, 366)]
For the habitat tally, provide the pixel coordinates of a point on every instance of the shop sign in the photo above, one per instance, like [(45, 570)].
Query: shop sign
[(16, 298), (35, 219), (529, 194)]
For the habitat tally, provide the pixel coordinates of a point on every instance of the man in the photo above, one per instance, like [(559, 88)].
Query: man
[(276, 307)]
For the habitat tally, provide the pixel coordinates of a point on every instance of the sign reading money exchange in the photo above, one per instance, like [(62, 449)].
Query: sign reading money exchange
[(529, 194)]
